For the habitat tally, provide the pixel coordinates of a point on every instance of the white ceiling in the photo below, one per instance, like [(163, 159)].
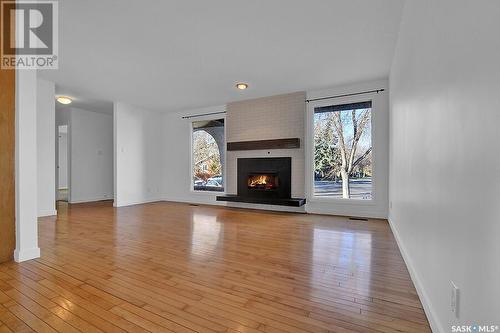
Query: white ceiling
[(83, 101), (174, 55)]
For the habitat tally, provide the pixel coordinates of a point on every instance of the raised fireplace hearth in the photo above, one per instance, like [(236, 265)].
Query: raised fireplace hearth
[(264, 181)]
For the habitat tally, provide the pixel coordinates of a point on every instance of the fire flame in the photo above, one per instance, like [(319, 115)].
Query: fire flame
[(263, 182), (259, 180)]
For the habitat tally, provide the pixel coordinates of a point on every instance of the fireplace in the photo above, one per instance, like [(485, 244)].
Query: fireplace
[(266, 180), (265, 177)]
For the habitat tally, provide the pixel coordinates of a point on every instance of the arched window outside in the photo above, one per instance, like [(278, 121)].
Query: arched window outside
[(208, 146)]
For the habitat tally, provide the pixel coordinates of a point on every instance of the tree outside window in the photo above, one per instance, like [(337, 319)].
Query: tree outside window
[(343, 151)]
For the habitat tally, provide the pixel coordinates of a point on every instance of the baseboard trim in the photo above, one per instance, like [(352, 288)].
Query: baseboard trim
[(26, 254), (133, 203), (90, 200), (47, 213), (344, 212), (436, 326)]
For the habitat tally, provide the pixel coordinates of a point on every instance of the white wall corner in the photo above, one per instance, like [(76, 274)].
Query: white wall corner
[(115, 151), (26, 254), (26, 166)]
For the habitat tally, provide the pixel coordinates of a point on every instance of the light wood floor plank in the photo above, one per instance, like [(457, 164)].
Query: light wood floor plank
[(170, 267)]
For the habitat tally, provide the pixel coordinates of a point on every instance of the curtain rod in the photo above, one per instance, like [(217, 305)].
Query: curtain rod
[(345, 95), (203, 114)]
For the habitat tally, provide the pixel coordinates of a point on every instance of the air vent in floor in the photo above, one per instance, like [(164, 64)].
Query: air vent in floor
[(358, 219)]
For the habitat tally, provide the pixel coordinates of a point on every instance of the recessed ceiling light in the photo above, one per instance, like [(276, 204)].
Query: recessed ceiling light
[(64, 100), (242, 86)]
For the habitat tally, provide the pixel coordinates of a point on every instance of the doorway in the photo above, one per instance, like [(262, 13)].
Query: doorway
[(62, 164)]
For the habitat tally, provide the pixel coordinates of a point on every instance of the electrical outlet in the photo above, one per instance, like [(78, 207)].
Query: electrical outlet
[(455, 298), (390, 204)]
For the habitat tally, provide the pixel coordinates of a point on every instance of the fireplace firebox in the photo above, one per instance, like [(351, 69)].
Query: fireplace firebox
[(265, 177)]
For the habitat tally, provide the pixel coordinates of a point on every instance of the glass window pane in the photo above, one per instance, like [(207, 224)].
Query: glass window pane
[(343, 151), (208, 155)]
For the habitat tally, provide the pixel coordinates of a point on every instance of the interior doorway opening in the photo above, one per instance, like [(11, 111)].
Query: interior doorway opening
[(62, 164)]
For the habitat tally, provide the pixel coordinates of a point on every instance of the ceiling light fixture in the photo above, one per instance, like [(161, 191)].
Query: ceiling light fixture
[(241, 86), (64, 100)]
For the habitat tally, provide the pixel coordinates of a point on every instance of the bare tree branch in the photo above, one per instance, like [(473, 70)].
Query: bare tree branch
[(354, 124), (362, 157)]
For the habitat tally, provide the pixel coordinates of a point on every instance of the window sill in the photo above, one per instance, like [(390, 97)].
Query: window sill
[(207, 192), (341, 201)]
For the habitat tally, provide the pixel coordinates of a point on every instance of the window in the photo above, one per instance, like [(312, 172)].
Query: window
[(343, 151), (208, 146)]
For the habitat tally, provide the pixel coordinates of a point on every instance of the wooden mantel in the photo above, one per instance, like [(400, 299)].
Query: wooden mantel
[(289, 143)]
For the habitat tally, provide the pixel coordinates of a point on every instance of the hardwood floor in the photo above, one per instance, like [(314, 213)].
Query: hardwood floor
[(165, 267)]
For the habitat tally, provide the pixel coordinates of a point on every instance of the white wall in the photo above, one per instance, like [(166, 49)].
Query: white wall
[(62, 117), (91, 156), (45, 134), (62, 159), (138, 155), (444, 165), (377, 207), (26, 167)]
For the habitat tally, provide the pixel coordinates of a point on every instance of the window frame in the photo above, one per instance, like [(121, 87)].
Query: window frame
[(191, 153), (312, 105)]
